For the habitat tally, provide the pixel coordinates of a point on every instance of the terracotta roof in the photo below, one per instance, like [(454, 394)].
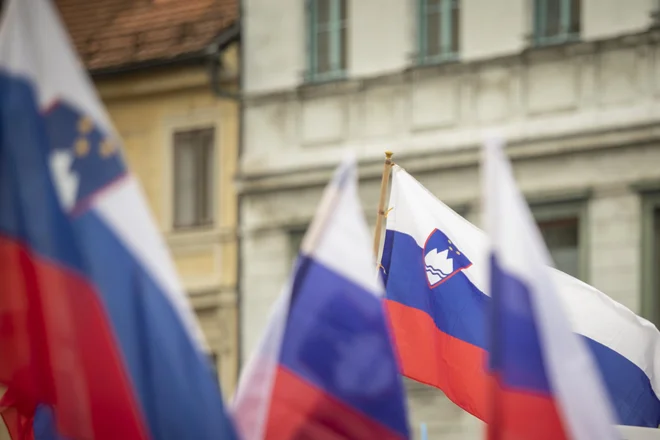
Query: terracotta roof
[(116, 33)]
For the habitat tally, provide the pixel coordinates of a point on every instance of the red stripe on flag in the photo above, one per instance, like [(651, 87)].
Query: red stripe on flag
[(18, 426), (58, 348), (459, 369), (299, 410), (435, 358), (519, 415)]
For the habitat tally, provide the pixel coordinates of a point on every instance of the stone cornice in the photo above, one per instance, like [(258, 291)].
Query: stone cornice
[(468, 156)]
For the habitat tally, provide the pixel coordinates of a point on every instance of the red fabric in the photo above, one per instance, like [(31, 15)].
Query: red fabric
[(447, 363), (299, 410), (18, 425), (57, 348), (459, 369), (517, 415)]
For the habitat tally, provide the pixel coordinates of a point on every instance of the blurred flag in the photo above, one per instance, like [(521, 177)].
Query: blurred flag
[(94, 324), (326, 367), (435, 268), (546, 383)]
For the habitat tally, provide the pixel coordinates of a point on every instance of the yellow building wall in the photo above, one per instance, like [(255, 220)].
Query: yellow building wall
[(4, 435), (147, 107)]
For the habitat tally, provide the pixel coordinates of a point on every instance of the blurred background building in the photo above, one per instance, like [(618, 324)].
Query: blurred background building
[(168, 73), (572, 84)]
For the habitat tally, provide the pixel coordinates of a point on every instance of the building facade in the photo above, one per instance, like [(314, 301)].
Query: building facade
[(168, 73), (574, 85)]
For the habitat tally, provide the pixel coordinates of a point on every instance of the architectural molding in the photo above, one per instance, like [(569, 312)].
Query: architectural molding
[(531, 53), (468, 156)]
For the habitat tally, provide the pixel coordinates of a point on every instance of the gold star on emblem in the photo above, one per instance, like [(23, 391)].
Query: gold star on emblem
[(82, 147), (85, 125), (108, 147), (458, 253)]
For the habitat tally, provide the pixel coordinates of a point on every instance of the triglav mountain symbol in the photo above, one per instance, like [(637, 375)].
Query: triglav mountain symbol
[(438, 266)]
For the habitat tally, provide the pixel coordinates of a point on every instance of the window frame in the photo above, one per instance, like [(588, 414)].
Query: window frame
[(291, 233), (335, 26), (556, 210), (214, 360), (446, 32), (540, 23), (649, 301), (212, 180)]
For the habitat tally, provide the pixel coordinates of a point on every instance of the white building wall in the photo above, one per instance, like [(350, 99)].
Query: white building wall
[(611, 18), (580, 118), (273, 40), (493, 28), (390, 27)]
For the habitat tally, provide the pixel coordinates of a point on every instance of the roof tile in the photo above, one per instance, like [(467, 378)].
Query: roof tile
[(116, 33)]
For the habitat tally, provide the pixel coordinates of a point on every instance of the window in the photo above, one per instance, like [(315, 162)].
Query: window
[(213, 359), (327, 39), (564, 231), (295, 241), (193, 178), (651, 258), (438, 30), (561, 238), (556, 21)]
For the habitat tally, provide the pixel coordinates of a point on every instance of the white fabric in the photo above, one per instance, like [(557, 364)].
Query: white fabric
[(416, 212), (338, 238), (579, 391)]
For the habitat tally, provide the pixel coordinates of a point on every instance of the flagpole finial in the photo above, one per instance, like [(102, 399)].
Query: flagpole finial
[(388, 155)]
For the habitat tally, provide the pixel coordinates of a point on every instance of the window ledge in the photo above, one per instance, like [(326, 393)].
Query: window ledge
[(646, 186), (313, 86), (206, 235), (444, 59), (325, 78)]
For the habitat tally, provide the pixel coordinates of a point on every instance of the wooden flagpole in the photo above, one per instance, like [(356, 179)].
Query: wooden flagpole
[(387, 167)]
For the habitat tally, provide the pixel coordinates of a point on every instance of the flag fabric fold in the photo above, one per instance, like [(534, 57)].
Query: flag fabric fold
[(545, 382), (96, 328), (435, 267), (326, 367)]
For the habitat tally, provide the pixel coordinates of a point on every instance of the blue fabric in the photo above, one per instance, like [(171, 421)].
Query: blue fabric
[(459, 309), (337, 339)]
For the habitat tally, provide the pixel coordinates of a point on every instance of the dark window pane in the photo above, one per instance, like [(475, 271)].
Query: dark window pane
[(193, 178), (323, 52), (455, 25), (205, 181), (328, 36), (295, 241), (432, 33), (323, 11), (342, 49), (341, 38), (574, 27), (561, 238), (213, 359), (552, 15), (184, 181)]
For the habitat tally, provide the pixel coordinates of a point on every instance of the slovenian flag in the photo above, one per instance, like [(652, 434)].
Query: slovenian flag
[(326, 368), (96, 334), (435, 269), (545, 382)]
